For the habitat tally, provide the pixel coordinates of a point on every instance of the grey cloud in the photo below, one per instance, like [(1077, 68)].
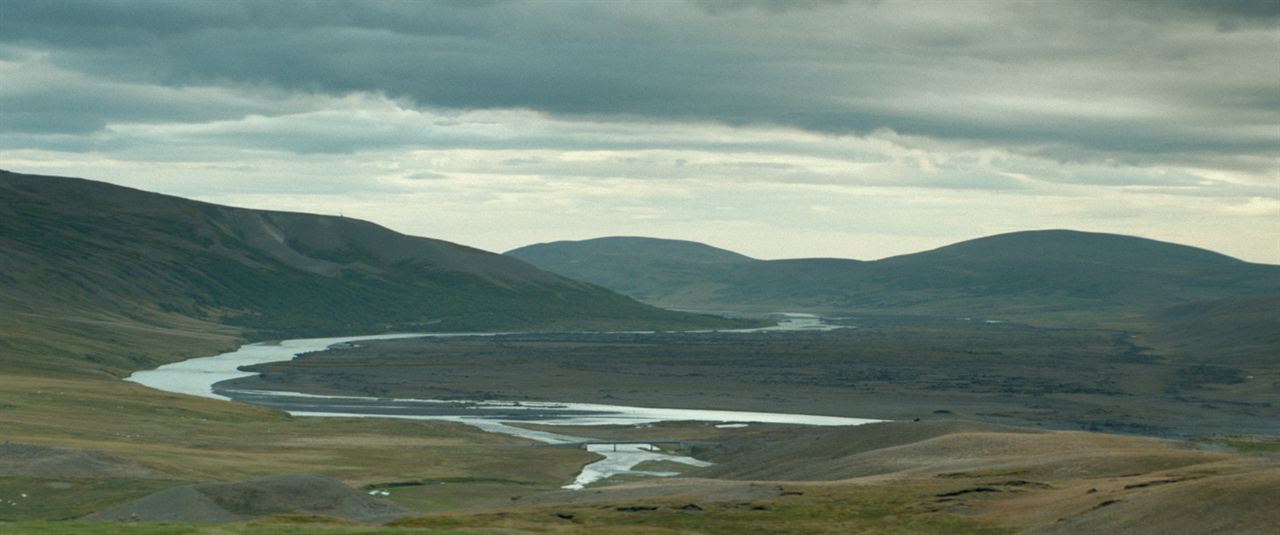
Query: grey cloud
[(41, 99), (960, 179), (944, 71), (426, 175), (521, 162), (771, 6), (1112, 176), (1231, 12), (85, 109)]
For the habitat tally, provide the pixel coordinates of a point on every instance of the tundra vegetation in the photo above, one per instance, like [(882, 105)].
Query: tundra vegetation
[(98, 281)]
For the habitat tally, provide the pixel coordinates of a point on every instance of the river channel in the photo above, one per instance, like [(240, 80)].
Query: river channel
[(201, 377)]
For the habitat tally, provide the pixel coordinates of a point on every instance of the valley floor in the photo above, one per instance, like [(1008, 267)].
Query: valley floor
[(1084, 379), (83, 444)]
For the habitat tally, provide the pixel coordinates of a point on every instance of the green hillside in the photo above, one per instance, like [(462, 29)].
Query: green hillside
[(644, 268), (86, 265), (1237, 330), (1058, 274)]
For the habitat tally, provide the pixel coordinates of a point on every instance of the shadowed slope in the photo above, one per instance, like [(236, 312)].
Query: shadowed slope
[(80, 251), (1050, 272), (1233, 330), (644, 268)]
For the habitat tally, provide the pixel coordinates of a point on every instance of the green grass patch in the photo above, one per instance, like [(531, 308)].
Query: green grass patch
[(1245, 444), (456, 493), (834, 509), (26, 498), (262, 528)]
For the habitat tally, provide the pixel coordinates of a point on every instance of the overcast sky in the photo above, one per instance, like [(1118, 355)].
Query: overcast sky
[(776, 129)]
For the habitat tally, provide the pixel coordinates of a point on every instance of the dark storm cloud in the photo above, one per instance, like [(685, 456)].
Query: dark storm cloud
[(39, 101), (1126, 81), (1235, 12)]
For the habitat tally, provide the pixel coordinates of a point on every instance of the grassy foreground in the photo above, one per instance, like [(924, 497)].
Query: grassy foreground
[(45, 528), (464, 480), (819, 509), (192, 439)]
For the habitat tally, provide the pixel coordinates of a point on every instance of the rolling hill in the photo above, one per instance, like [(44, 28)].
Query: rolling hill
[(1048, 273), (1236, 330), (85, 266)]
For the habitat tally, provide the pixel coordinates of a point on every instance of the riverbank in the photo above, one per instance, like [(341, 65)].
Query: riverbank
[(896, 369), (201, 376)]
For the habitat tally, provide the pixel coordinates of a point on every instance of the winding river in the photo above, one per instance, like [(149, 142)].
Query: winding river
[(200, 377)]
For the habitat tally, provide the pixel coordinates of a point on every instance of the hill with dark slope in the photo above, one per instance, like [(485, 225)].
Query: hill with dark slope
[(1049, 272), (115, 259), (643, 268), (679, 273), (623, 249), (1236, 330), (1075, 264)]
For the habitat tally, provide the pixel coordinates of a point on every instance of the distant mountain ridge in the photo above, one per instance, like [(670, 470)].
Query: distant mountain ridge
[(1032, 272), (638, 247), (77, 248), (635, 266)]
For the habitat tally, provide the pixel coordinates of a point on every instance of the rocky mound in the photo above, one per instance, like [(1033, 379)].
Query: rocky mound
[(26, 460), (255, 499)]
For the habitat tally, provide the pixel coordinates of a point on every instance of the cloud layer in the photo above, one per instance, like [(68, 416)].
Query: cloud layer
[(1161, 117)]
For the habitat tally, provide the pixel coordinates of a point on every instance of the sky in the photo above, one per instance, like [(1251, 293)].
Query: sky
[(859, 129)]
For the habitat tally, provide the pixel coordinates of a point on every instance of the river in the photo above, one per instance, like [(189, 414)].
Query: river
[(200, 376)]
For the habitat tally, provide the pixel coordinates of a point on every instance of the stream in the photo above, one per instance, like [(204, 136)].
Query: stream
[(200, 376)]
